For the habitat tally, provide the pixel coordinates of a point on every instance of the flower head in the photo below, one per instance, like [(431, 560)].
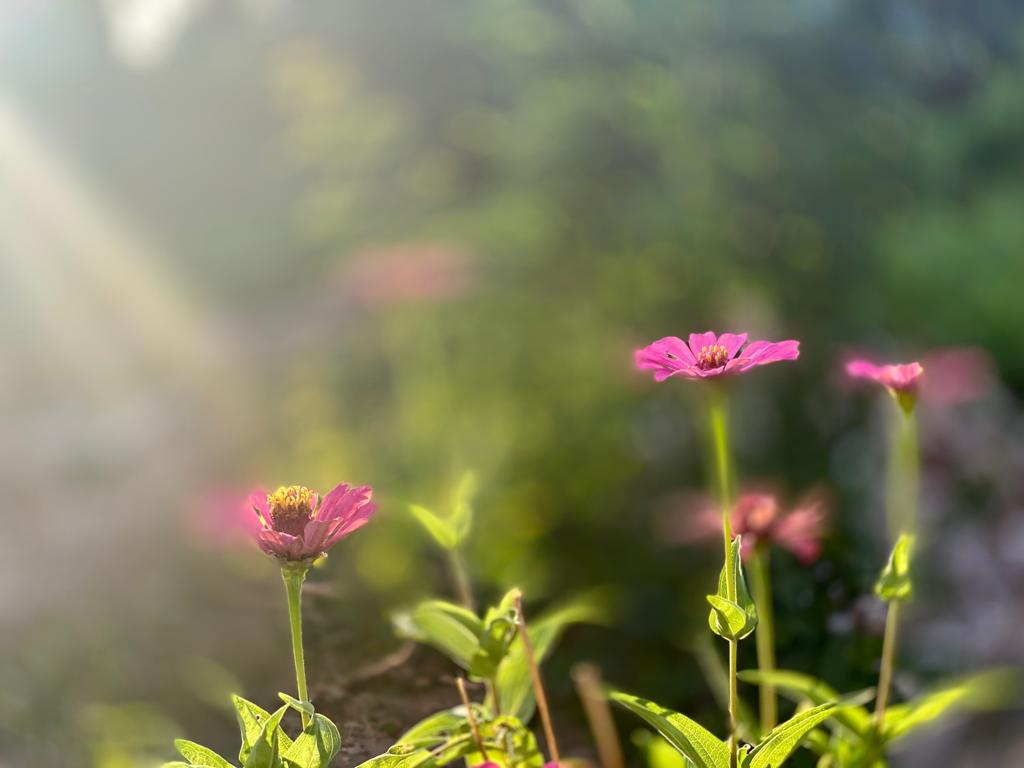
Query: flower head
[(758, 518), (902, 380), (296, 526), (707, 355)]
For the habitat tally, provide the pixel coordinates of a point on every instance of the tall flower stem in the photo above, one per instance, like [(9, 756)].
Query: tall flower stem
[(761, 585), (294, 574), (718, 412), (901, 504), (888, 662)]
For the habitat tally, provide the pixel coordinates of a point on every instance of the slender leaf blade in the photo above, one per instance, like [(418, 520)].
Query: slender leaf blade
[(698, 745), (778, 745)]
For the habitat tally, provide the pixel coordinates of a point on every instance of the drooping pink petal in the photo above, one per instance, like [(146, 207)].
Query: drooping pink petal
[(764, 352), (352, 523), (666, 357), (343, 501), (282, 545), (699, 341), (315, 536)]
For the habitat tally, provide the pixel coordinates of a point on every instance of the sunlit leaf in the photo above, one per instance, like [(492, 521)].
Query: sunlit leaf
[(266, 749), (775, 748), (894, 582), (450, 628), (251, 721), (799, 686), (442, 531), (315, 747), (302, 707), (198, 755), (697, 744)]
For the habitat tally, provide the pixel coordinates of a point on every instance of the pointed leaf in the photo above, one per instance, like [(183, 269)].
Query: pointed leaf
[(450, 628), (266, 750), (798, 686), (441, 530), (698, 745), (894, 583), (199, 755), (778, 745), (251, 719), (993, 688)]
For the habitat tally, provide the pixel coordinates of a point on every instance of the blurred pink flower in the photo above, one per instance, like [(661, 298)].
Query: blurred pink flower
[(293, 528), (757, 517), (223, 518), (956, 375), (708, 355), (407, 273), (896, 378)]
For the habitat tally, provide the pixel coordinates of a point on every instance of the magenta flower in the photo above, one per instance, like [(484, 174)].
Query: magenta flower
[(294, 528), (708, 355), (896, 378), (757, 517)]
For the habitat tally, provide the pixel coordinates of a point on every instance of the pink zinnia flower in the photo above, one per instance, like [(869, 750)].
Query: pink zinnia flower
[(902, 380), (758, 518), (708, 355), (294, 528)]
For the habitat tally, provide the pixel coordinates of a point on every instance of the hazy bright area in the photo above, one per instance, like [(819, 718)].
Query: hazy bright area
[(263, 242)]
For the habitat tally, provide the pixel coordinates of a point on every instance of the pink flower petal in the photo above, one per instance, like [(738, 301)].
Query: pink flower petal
[(899, 378), (699, 340), (666, 357), (258, 503), (279, 544), (343, 501), (764, 352), (732, 342)]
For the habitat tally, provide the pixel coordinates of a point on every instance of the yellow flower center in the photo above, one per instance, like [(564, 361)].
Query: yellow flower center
[(714, 356), (291, 508)]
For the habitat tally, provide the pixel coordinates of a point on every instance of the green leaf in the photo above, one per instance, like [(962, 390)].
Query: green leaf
[(983, 691), (658, 753), (729, 618), (316, 746), (251, 721), (799, 686), (302, 707), (775, 748), (197, 754), (442, 531), (462, 510), (450, 628), (699, 746), (499, 628), (894, 582), (266, 750), (176, 764), (436, 726), (515, 691), (405, 759)]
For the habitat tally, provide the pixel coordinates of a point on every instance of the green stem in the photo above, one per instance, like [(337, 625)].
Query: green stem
[(294, 574), (719, 413), (904, 473), (719, 417), (888, 662), (461, 579), (760, 584), (734, 648)]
